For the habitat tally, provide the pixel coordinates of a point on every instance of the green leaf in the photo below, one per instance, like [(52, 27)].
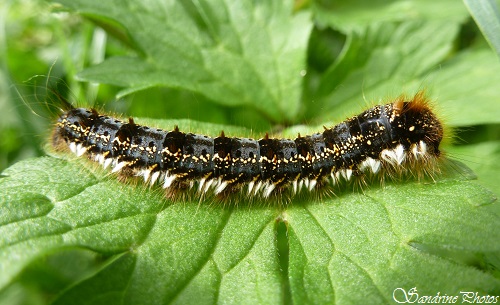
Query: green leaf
[(384, 240), (170, 244), (235, 53), (412, 56), (384, 58), (356, 15), (487, 17), (466, 87)]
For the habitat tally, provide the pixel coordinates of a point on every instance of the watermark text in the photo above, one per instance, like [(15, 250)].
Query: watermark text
[(411, 296)]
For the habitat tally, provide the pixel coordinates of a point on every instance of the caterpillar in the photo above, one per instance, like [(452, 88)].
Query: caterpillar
[(392, 139)]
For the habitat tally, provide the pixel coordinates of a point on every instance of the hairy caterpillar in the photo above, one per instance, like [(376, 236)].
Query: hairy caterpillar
[(400, 137)]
